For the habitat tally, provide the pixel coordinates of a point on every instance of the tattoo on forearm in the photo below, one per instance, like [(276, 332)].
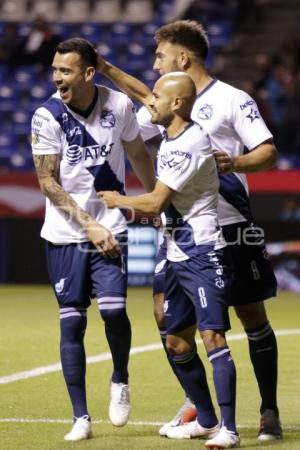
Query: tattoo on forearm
[(47, 168), (46, 165)]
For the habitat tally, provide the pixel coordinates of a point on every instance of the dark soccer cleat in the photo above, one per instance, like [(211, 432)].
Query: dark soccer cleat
[(270, 426)]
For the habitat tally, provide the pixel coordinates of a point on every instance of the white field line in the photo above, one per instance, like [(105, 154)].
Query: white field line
[(107, 356), (130, 422)]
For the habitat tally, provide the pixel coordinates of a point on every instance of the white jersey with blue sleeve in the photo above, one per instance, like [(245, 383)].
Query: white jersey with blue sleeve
[(91, 158), (186, 164), (231, 119)]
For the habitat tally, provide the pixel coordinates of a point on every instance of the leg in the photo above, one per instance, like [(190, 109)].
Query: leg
[(72, 325), (158, 307), (224, 375), (67, 270), (264, 357), (192, 375), (118, 334), (263, 351), (187, 411)]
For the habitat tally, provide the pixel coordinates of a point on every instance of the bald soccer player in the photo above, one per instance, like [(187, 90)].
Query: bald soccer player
[(233, 122), (198, 269)]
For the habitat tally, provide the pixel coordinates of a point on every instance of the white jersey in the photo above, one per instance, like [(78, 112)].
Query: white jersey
[(186, 164), (232, 121), (91, 158)]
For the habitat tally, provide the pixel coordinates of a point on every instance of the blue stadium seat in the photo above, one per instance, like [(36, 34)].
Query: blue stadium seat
[(108, 52), (92, 32), (8, 145), (25, 77), (62, 29), (121, 33), (149, 77), (39, 93), (138, 58), (219, 33), (21, 121), (147, 33), (8, 97)]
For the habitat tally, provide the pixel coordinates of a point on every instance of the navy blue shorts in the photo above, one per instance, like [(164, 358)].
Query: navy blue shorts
[(253, 278), (78, 273), (197, 292), (159, 284)]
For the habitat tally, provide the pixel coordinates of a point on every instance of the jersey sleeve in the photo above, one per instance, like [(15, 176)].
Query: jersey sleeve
[(247, 121), (147, 129), (131, 127), (45, 135)]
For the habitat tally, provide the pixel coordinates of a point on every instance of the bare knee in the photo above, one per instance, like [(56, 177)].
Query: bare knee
[(177, 345), (213, 339), (252, 315)]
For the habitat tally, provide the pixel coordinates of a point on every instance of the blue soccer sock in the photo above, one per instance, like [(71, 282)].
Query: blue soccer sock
[(191, 372), (263, 354), (72, 325), (172, 363), (118, 334), (224, 375)]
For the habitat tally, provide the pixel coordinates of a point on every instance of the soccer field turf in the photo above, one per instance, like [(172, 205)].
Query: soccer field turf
[(35, 409)]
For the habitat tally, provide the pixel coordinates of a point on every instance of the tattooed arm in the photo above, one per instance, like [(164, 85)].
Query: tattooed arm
[(47, 168)]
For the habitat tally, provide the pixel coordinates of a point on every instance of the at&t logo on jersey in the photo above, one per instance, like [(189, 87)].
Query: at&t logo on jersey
[(205, 113), (75, 153)]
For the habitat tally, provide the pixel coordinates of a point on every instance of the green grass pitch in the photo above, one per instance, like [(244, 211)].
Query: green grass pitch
[(35, 411)]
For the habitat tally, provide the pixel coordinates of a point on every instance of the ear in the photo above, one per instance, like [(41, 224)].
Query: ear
[(89, 73), (176, 104), (183, 60)]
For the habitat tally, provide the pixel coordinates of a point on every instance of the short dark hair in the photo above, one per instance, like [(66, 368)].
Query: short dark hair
[(188, 33), (80, 46)]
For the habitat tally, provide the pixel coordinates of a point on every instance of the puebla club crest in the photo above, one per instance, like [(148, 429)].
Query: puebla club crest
[(205, 113), (107, 119)]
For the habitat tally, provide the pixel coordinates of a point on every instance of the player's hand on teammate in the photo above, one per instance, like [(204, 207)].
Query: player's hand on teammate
[(103, 240), (224, 162), (109, 198)]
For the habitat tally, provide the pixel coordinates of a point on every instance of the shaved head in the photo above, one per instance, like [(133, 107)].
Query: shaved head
[(178, 84), (173, 96)]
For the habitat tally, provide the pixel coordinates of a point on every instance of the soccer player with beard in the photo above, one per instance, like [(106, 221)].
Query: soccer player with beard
[(198, 271), (79, 138), (233, 122)]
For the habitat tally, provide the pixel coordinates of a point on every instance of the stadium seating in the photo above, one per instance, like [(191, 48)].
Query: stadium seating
[(75, 11), (125, 38), (138, 11), (8, 97), (13, 10), (106, 11), (46, 8)]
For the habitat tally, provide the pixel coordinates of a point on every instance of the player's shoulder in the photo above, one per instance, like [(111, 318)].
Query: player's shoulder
[(112, 97), (48, 111), (52, 108), (198, 135), (230, 92)]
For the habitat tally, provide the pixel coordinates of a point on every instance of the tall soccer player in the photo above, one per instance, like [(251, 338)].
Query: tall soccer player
[(233, 122), (78, 140), (197, 271)]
